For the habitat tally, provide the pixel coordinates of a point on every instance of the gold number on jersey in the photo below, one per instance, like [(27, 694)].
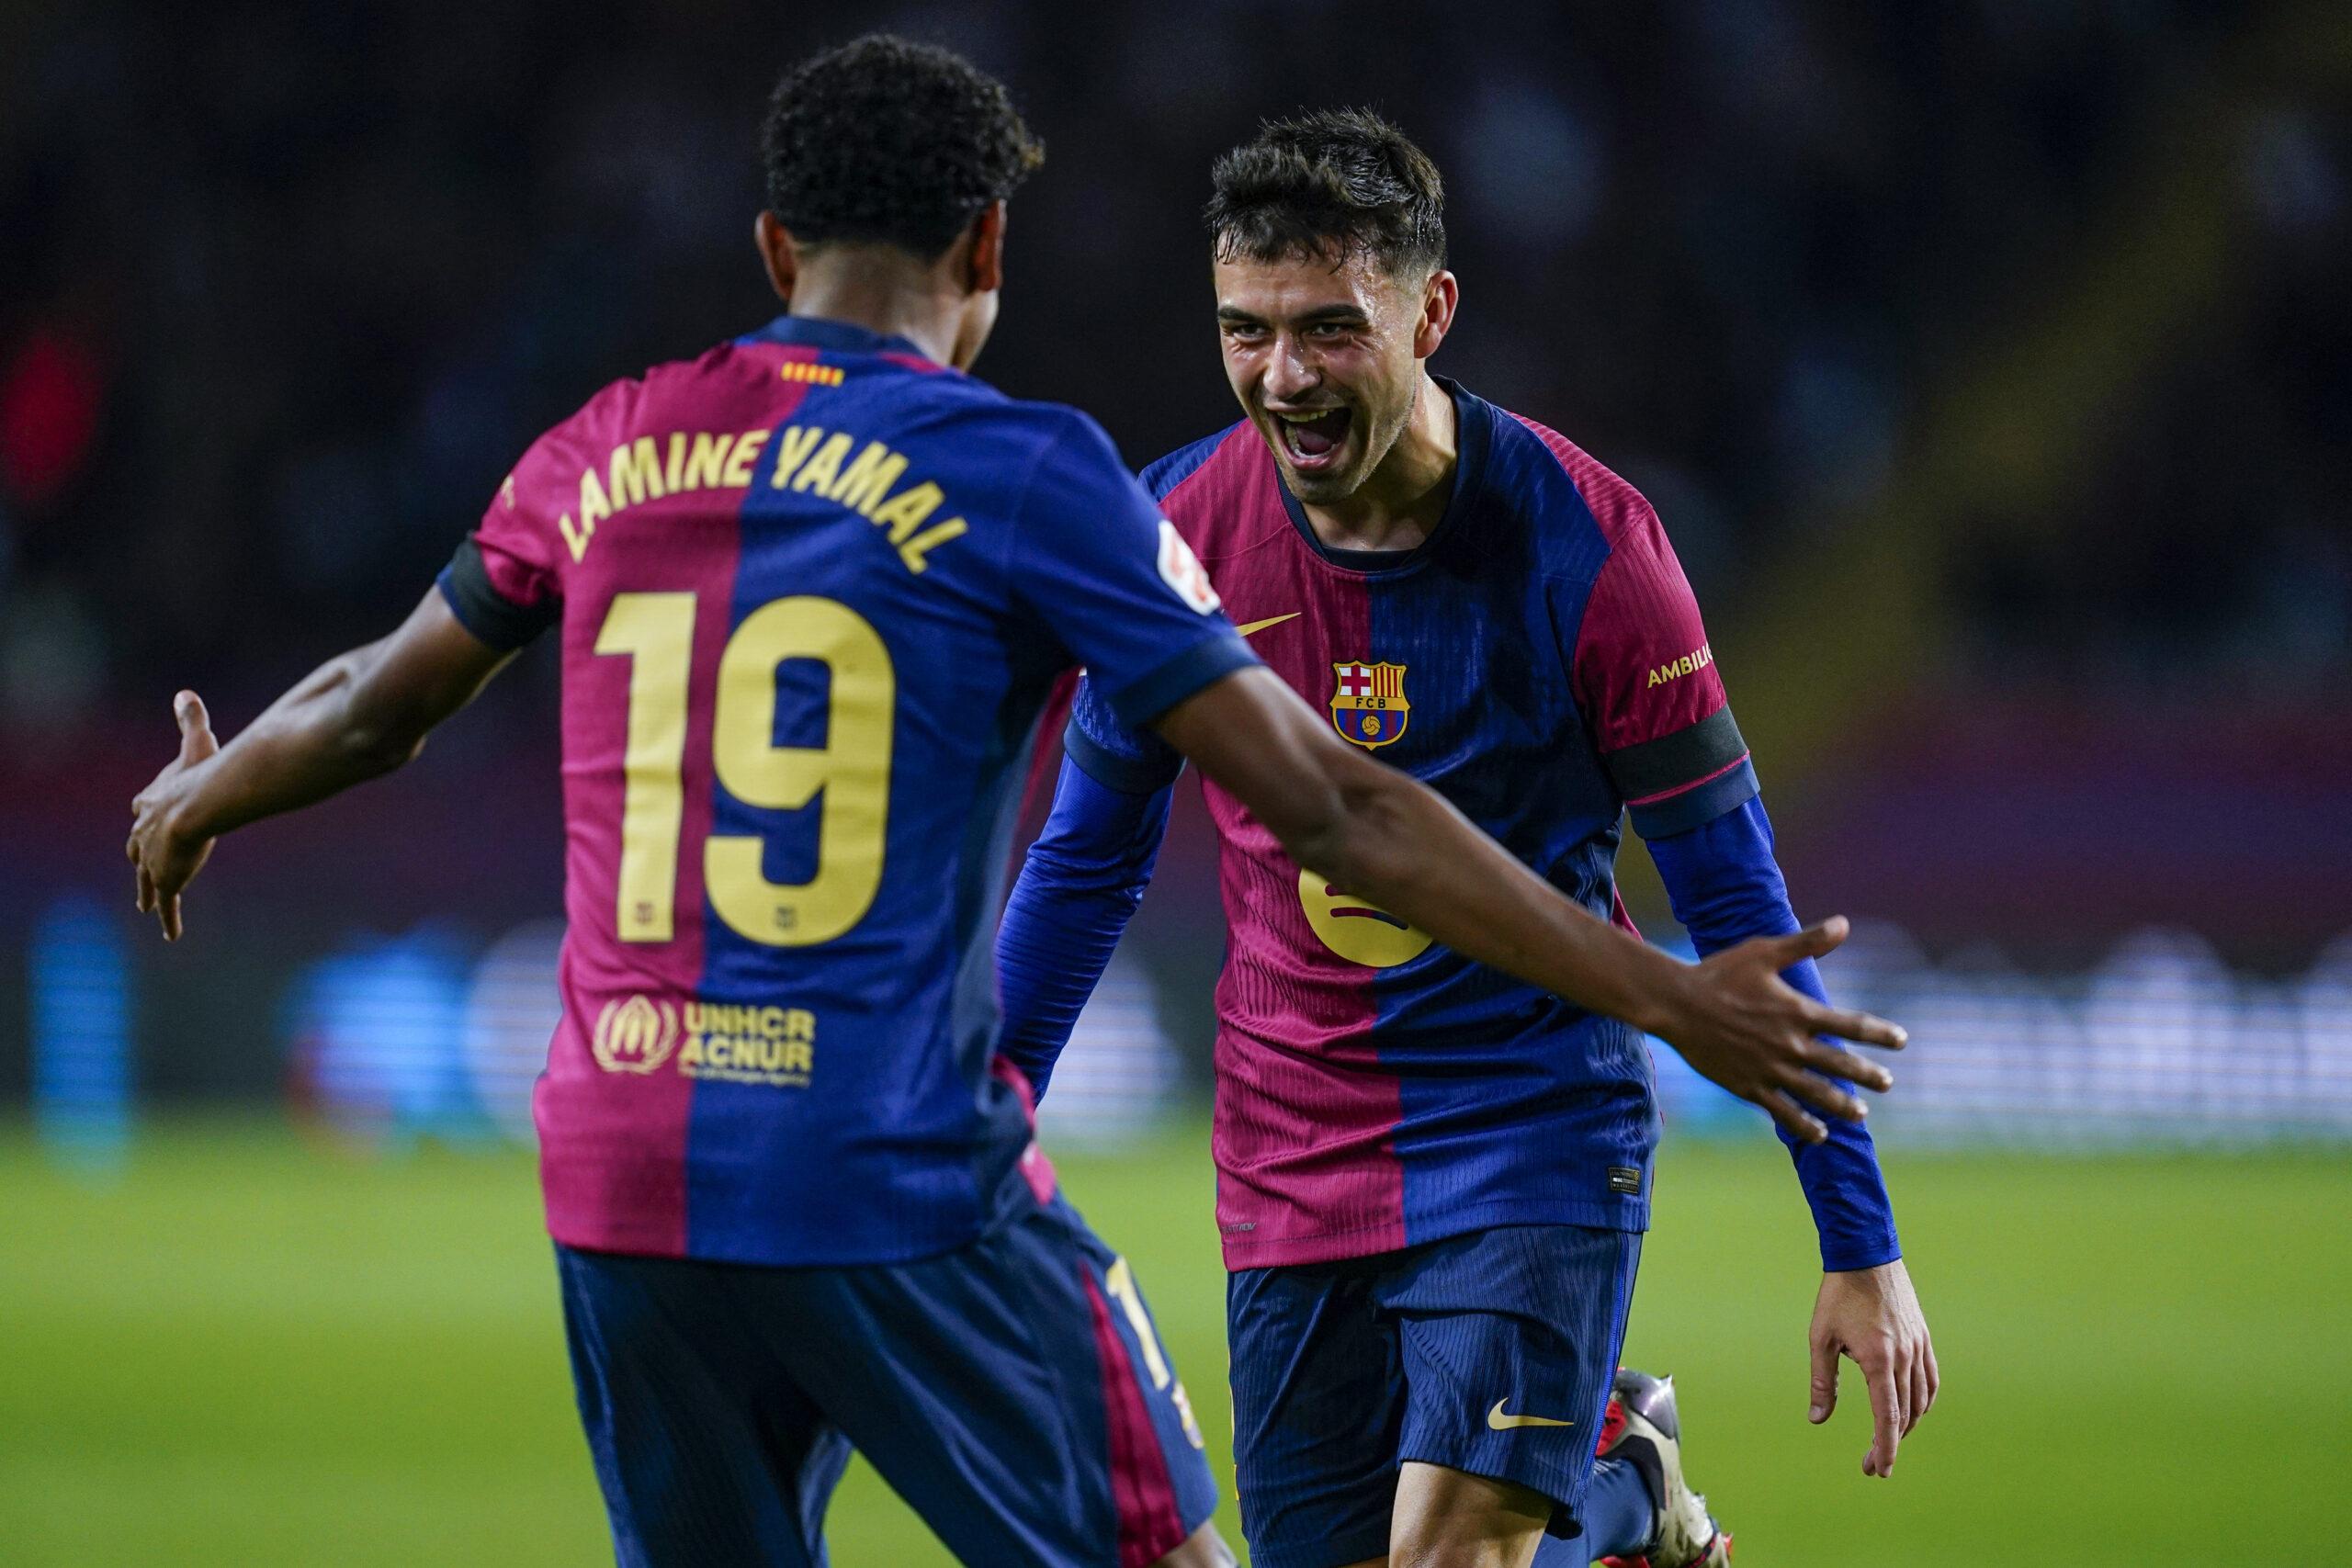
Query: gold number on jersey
[(1120, 1281), (852, 769), (657, 632)]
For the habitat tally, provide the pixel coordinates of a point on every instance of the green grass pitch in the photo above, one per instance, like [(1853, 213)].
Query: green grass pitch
[(247, 1350)]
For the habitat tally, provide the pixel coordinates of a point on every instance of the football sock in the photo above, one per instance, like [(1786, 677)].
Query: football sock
[(1619, 1520)]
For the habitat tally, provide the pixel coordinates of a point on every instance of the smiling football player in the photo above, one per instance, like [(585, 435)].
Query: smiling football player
[(1432, 1178)]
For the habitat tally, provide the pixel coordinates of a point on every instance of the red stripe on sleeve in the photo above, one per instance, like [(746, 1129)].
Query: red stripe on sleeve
[(1643, 667)]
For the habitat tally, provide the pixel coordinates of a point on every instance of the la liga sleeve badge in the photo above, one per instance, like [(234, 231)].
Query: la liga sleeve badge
[(1181, 570), (1368, 704)]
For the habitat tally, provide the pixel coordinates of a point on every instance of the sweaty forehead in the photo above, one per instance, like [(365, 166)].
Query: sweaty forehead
[(1296, 288)]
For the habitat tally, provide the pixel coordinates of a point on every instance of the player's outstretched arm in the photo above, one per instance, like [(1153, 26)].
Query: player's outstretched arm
[(353, 718), (1383, 836)]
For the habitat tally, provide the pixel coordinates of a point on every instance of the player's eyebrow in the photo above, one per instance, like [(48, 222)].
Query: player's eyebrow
[(1349, 315)]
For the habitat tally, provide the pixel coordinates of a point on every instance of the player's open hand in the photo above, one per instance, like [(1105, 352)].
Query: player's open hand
[(1749, 1031), (1871, 1316), (165, 858)]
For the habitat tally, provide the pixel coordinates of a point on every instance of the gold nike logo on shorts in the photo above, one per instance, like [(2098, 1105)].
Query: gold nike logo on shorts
[(1502, 1422)]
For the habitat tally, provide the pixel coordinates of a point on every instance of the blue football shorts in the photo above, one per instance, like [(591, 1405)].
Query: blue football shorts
[(1489, 1352), (1014, 1392)]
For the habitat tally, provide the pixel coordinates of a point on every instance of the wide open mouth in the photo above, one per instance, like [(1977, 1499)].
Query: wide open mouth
[(1312, 440)]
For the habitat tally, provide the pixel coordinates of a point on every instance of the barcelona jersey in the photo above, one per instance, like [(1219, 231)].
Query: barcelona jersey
[(1539, 662), (812, 592)]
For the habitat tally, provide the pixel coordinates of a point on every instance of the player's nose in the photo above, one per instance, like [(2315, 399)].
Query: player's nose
[(1288, 374)]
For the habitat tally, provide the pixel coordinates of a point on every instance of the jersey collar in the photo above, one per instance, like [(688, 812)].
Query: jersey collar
[(1472, 434), (833, 337)]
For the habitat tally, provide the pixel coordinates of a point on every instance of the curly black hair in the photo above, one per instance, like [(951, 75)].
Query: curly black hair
[(886, 140), (1335, 179)]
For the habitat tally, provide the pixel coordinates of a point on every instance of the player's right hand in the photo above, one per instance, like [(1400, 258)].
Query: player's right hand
[(166, 859), (1749, 1031)]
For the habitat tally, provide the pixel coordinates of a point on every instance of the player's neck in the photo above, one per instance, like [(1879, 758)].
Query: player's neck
[(1399, 505), (887, 293)]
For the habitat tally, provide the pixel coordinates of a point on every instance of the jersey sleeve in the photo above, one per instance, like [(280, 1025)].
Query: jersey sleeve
[(1726, 887), (1128, 761), (1647, 679), (1093, 558), (503, 584), (1083, 878)]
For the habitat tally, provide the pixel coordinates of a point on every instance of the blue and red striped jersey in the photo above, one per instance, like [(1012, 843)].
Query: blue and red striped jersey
[(813, 590), (1539, 662)]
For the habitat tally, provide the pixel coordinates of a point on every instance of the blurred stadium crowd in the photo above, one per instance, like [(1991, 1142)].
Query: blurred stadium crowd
[(1991, 364)]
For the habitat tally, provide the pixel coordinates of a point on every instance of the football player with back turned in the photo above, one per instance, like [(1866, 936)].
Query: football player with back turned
[(1433, 1178), (811, 591)]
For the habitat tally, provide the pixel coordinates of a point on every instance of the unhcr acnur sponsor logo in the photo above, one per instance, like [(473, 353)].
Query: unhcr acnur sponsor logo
[(724, 1040)]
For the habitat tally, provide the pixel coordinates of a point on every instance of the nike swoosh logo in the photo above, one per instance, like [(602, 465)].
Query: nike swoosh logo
[(1502, 1422), (1256, 626)]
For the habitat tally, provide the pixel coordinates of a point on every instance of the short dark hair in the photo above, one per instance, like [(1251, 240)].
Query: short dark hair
[(886, 140), (1337, 179)]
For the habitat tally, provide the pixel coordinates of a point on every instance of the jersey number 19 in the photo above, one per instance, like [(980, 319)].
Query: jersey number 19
[(656, 631)]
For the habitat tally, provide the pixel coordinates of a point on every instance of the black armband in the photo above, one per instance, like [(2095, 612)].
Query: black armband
[(483, 610)]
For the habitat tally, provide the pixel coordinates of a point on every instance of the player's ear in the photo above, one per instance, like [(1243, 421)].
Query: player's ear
[(778, 253), (1440, 295), (984, 261)]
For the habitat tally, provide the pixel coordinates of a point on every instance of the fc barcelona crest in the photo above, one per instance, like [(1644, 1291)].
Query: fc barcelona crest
[(1368, 704)]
